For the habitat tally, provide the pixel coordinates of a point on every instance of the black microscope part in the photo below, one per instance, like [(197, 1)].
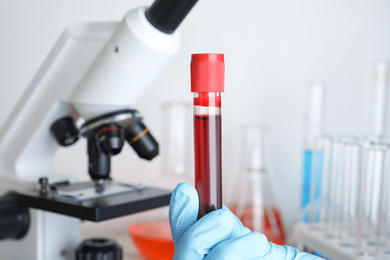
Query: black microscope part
[(167, 15), (99, 163), (110, 139), (99, 249), (14, 219), (140, 138), (65, 131), (98, 209)]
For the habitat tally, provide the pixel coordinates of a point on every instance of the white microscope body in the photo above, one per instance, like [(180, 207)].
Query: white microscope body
[(94, 69)]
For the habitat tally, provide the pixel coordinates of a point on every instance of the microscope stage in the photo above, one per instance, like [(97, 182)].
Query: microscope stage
[(85, 201)]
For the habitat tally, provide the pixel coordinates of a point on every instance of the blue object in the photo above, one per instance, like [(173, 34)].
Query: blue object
[(306, 186), (307, 169), (219, 234), (318, 185), (307, 182)]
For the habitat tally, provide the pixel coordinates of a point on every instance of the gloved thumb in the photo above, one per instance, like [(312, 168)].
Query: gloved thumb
[(183, 210), (212, 229)]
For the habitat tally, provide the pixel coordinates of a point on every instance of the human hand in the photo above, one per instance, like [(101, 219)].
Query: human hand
[(219, 234)]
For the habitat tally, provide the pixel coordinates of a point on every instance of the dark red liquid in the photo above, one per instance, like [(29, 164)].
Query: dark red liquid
[(208, 176)]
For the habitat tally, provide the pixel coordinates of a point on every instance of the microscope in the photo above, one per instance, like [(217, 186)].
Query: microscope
[(94, 74)]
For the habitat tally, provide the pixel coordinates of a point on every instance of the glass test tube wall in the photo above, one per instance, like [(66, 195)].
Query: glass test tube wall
[(207, 83), (313, 128), (373, 227)]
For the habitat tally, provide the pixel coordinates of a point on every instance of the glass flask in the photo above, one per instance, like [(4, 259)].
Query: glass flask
[(256, 206), (153, 239)]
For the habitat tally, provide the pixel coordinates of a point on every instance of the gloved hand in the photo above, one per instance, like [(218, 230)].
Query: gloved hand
[(219, 234)]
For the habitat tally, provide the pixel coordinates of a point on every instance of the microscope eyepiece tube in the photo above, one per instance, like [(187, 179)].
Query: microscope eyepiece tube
[(130, 61), (167, 15)]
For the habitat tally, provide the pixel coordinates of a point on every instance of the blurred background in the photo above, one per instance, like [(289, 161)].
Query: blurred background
[(273, 50)]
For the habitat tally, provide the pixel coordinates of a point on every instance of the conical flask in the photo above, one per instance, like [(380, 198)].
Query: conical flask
[(256, 206), (153, 239)]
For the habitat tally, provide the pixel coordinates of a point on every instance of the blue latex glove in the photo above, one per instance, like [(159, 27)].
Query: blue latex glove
[(219, 234)]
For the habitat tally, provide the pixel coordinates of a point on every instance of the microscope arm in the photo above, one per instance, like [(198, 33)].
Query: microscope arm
[(26, 144), (92, 70)]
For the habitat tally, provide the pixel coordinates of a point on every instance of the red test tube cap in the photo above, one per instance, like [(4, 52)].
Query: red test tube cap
[(207, 72)]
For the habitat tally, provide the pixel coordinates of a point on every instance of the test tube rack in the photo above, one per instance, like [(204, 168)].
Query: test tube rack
[(308, 236)]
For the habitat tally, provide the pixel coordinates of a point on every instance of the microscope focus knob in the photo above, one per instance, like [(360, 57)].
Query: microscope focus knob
[(65, 131), (14, 220), (99, 249)]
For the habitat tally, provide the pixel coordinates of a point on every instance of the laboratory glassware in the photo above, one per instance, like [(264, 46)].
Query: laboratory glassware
[(383, 226), (348, 191), (153, 238), (257, 206), (375, 152), (313, 128), (380, 101), (176, 145), (319, 182), (207, 83), (318, 204), (334, 196)]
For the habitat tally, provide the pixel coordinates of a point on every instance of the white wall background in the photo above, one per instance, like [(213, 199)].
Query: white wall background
[(272, 50)]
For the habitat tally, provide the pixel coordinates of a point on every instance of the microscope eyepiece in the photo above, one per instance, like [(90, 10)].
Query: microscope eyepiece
[(65, 131), (167, 15)]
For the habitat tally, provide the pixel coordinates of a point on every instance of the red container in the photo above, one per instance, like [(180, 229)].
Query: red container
[(153, 239)]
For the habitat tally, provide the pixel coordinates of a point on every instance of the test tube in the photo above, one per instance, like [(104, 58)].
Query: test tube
[(319, 182), (349, 194), (207, 83), (332, 195), (379, 106), (313, 128), (375, 157), (175, 146), (383, 226)]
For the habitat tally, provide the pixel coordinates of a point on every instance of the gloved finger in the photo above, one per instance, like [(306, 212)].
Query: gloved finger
[(238, 229), (256, 246), (250, 246), (206, 233), (183, 210), (285, 252)]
